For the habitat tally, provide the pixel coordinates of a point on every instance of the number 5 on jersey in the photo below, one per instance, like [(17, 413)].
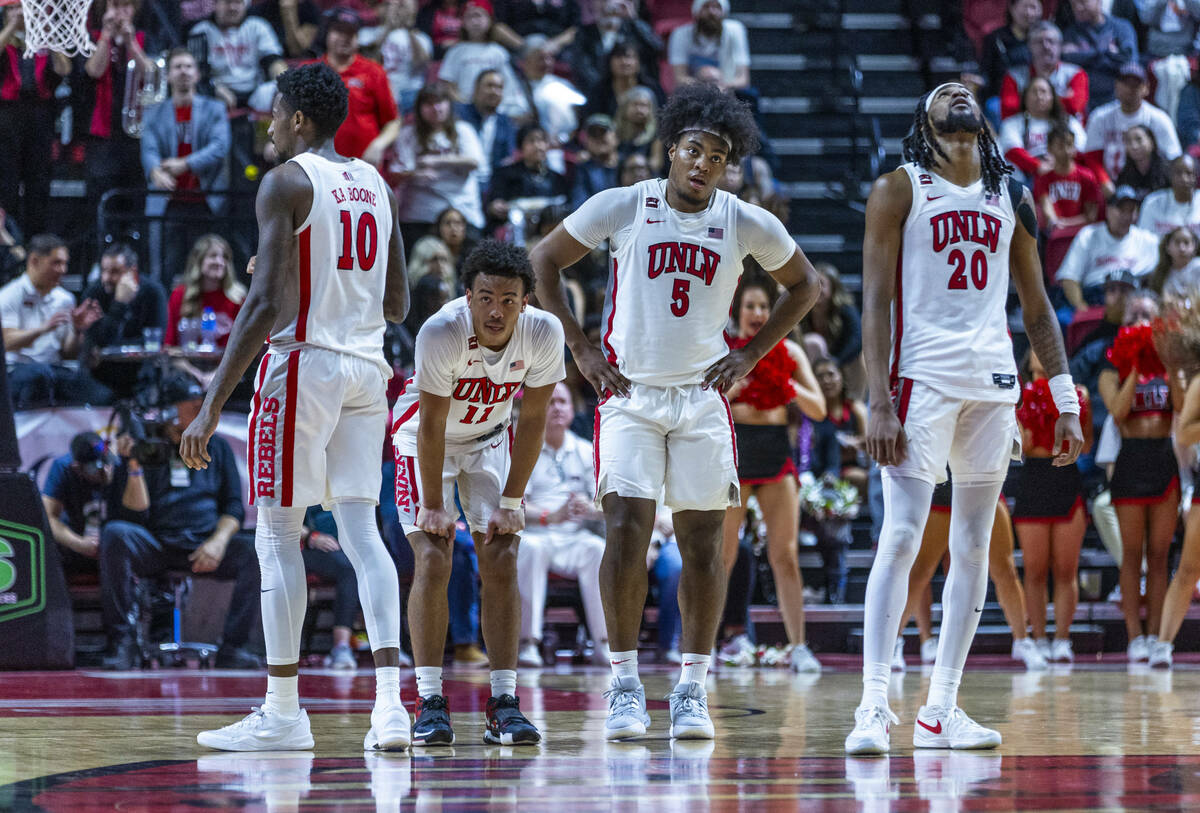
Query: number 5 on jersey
[(365, 241)]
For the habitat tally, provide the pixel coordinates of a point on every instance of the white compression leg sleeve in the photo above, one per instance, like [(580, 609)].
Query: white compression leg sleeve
[(378, 586), (906, 507), (972, 512), (284, 596)]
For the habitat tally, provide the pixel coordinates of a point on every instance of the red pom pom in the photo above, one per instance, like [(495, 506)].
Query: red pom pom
[(1134, 347), (1038, 414), (770, 383)]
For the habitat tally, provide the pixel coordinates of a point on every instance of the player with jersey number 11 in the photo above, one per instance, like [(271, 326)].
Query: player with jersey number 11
[(329, 270), (663, 428), (944, 233)]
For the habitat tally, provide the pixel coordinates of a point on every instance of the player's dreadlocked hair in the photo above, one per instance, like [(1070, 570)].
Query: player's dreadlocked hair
[(703, 104), (921, 147), (318, 92), (497, 259)]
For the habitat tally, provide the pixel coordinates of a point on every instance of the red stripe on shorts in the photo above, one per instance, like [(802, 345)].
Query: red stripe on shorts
[(414, 479), (253, 432), (289, 427), (732, 433), (905, 393), (305, 284)]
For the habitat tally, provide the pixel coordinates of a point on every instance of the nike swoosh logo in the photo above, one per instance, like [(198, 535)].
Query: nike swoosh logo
[(928, 727), (935, 197), (691, 663), (614, 663), (978, 609), (648, 220), (266, 589)]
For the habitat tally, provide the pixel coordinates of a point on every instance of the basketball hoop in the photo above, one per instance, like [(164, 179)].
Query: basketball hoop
[(57, 25)]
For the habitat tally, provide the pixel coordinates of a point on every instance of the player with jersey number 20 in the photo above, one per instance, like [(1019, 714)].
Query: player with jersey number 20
[(944, 233), (663, 427), (329, 270)]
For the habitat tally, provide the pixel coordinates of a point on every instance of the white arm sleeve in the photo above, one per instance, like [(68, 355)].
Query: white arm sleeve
[(602, 215), (549, 365), (763, 237), (438, 353)]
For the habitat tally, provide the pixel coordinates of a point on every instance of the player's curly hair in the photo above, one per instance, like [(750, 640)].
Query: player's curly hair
[(497, 259), (318, 92), (921, 147), (700, 103)]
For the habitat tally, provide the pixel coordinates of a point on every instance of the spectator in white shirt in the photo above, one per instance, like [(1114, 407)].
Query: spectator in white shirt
[(476, 53), (1167, 209), (404, 49), (1105, 150), (42, 327), (1103, 248), (710, 39), (1178, 268), (239, 51), (560, 530), (549, 99)]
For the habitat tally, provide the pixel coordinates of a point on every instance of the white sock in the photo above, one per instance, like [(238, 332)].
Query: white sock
[(504, 681), (283, 696), (875, 684), (624, 664), (695, 667), (429, 680), (387, 685), (943, 687)]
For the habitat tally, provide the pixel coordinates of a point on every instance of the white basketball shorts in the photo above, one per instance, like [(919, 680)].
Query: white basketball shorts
[(317, 428), (669, 444), (480, 475), (977, 438)]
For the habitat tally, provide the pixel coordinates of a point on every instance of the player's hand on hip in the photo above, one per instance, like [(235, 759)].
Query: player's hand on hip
[(722, 375), (886, 442), (436, 522), (504, 522), (193, 446), (603, 376), (1067, 431)]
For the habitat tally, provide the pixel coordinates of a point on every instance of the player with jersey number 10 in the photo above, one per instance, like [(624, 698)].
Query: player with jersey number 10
[(944, 233), (663, 428)]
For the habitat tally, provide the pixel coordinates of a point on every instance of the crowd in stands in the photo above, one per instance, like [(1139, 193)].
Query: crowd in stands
[(497, 119)]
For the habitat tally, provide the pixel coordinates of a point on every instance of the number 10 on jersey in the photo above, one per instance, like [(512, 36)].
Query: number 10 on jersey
[(361, 239)]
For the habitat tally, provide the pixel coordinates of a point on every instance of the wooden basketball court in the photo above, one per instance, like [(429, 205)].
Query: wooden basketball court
[(1099, 735)]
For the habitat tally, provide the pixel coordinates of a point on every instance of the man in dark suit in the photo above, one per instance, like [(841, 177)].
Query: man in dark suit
[(496, 131), (185, 146)]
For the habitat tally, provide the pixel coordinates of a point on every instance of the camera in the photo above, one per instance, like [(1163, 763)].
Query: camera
[(148, 428)]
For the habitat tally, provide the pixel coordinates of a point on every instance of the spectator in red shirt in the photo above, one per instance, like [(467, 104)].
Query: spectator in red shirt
[(208, 282), (443, 21), (1069, 81), (373, 122), (1068, 195), (27, 111)]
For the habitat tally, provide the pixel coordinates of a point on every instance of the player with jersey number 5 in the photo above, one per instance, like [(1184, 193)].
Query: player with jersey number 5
[(453, 428), (329, 270), (663, 428), (945, 232)]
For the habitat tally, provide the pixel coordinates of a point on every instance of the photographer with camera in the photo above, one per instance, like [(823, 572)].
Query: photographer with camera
[(191, 520)]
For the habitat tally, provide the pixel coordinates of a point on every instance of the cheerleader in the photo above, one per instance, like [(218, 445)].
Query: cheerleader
[(1142, 399), (765, 468), (1048, 513)]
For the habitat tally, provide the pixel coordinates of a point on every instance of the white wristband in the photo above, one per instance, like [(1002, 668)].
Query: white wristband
[(510, 503), (1062, 389)]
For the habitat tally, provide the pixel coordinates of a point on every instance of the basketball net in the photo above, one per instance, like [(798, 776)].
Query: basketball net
[(57, 25)]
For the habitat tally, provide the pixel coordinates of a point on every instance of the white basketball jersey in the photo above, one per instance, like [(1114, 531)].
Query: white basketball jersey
[(480, 383), (949, 327), (673, 279), (342, 252)]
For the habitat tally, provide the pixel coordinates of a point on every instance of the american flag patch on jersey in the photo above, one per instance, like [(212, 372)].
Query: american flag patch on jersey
[(992, 200), (651, 203), (519, 364), (713, 231), (924, 179), (347, 176)]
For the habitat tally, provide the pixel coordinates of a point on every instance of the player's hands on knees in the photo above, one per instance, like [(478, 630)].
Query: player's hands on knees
[(1067, 431), (436, 522), (736, 365), (504, 522), (602, 375), (886, 442)]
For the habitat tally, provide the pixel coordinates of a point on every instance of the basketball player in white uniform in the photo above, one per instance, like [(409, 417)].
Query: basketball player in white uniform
[(944, 234), (663, 427), (453, 427), (329, 270)]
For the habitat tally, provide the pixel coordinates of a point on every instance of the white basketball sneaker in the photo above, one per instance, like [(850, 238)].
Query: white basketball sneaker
[(801, 659), (872, 732), (627, 716), (261, 730), (1139, 649), (929, 649), (689, 712), (898, 664), (1161, 654), (1061, 651), (391, 730), (951, 728), (1026, 651)]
